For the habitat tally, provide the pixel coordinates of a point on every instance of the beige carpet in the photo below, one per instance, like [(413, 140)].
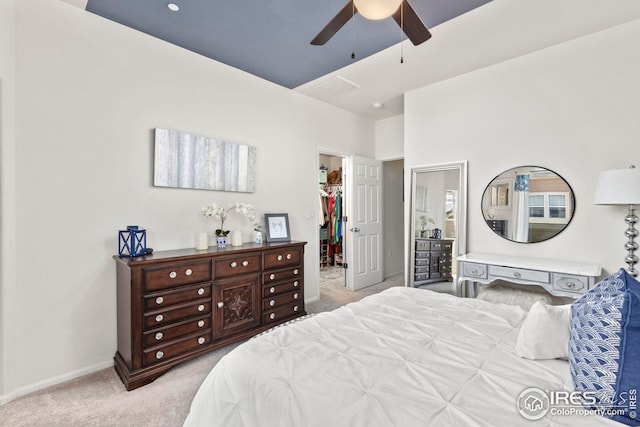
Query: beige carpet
[(100, 399)]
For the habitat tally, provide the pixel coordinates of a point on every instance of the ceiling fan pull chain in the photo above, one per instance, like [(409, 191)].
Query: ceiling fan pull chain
[(401, 32), (353, 30)]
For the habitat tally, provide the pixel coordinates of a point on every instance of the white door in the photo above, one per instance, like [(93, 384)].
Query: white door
[(364, 222)]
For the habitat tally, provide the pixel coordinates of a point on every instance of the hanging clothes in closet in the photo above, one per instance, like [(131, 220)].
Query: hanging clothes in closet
[(331, 221)]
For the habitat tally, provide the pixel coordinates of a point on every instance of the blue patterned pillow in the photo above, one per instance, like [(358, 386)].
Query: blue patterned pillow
[(604, 346)]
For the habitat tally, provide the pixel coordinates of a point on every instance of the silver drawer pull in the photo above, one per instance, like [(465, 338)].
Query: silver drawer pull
[(272, 276), (295, 271), (295, 308), (201, 291), (474, 272), (245, 263), (173, 275), (272, 289), (220, 304), (571, 285), (159, 336), (188, 272), (288, 256), (159, 300), (201, 340), (159, 355), (279, 257), (295, 296), (200, 323), (517, 274), (234, 264), (272, 303), (295, 283), (159, 318), (272, 316), (201, 307)]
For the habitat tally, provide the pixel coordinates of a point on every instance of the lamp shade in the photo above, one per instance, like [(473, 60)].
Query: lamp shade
[(377, 9), (618, 187)]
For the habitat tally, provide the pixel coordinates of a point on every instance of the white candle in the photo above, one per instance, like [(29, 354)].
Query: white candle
[(202, 241), (236, 238)]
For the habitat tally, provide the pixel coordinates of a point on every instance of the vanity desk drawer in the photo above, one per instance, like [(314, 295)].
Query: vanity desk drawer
[(564, 282), (519, 273), (474, 270)]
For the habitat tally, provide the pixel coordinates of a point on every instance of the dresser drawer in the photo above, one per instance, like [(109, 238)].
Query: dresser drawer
[(423, 245), (519, 273), (279, 275), (422, 269), (441, 245), (282, 287), (161, 336), (569, 283), (282, 258), (157, 319), (163, 277), (278, 300), (421, 277), (422, 261), (159, 300), (282, 312), (236, 266), (422, 255), (470, 269), (160, 354)]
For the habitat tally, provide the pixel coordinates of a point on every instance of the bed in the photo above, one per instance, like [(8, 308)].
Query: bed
[(403, 357)]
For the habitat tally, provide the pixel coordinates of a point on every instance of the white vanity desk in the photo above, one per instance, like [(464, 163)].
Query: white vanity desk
[(559, 278)]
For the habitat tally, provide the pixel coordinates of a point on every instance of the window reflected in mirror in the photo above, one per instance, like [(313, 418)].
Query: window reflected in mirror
[(528, 204)]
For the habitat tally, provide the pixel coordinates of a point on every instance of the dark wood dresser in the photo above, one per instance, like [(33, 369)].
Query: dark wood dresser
[(433, 258), (175, 305)]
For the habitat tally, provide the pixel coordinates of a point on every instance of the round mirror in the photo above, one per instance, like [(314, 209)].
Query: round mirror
[(528, 204)]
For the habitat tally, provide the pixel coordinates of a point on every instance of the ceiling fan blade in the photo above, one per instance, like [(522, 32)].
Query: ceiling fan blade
[(334, 25), (412, 25)]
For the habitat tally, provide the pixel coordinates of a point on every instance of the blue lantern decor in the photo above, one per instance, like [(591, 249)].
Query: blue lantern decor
[(132, 242)]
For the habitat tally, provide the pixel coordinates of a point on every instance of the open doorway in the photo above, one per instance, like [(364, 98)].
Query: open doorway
[(332, 205)]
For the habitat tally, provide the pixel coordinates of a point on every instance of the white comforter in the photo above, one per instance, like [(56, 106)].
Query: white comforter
[(404, 357)]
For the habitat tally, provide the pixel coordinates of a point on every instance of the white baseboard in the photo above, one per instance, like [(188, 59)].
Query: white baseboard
[(6, 398)]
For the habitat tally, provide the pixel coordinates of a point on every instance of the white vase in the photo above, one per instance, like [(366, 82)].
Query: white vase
[(259, 237), (221, 241)]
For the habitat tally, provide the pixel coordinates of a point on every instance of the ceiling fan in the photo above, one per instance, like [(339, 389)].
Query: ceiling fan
[(401, 10)]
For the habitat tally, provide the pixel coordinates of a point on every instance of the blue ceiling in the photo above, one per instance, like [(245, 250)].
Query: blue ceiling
[(271, 38)]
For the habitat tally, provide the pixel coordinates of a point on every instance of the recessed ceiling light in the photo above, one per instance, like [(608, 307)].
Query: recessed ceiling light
[(377, 105), (173, 7)]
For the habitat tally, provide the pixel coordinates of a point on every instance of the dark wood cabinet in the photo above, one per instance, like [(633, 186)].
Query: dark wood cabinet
[(432, 261), (176, 305)]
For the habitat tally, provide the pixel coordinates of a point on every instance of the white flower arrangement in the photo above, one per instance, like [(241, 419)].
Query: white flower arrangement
[(213, 210)]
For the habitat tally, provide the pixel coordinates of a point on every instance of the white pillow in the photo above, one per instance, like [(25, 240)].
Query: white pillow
[(544, 334), (513, 296)]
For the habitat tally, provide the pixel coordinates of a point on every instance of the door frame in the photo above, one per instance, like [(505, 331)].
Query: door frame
[(347, 200)]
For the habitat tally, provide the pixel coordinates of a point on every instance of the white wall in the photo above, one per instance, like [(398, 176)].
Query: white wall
[(572, 108), (7, 169), (393, 217), (88, 93), (389, 138)]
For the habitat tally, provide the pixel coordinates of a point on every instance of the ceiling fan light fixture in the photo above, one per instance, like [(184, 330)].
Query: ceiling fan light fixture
[(377, 9)]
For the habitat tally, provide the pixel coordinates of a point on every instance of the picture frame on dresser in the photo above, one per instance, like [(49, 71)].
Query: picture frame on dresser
[(277, 227)]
